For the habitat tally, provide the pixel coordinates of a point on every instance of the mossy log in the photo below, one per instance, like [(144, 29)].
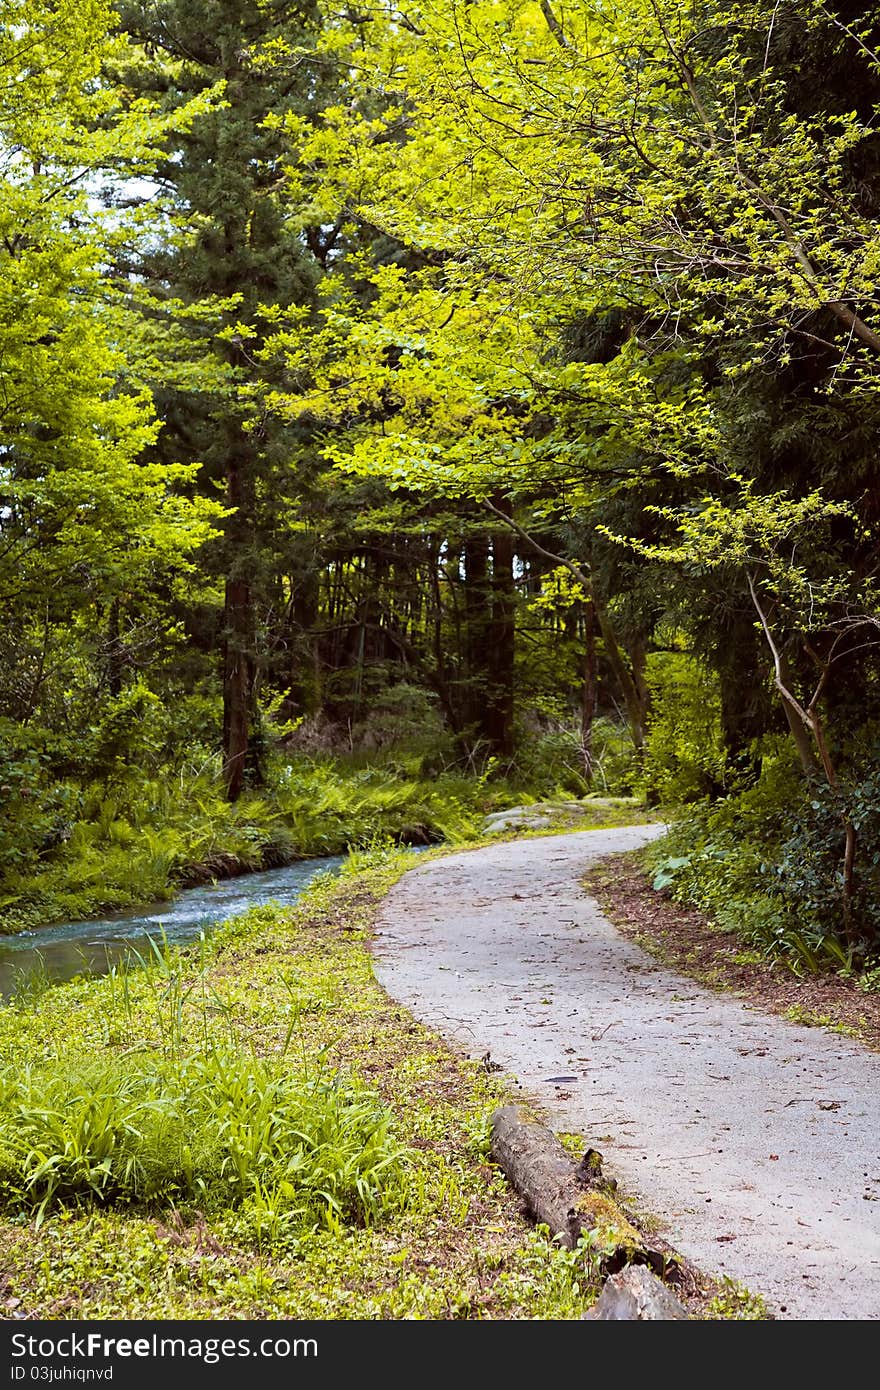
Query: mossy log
[(541, 1172), (571, 1199)]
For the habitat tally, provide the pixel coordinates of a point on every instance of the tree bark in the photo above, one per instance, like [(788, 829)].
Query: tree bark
[(238, 664), (590, 689), (541, 1171), (811, 725), (477, 610), (634, 700), (302, 657), (501, 654)]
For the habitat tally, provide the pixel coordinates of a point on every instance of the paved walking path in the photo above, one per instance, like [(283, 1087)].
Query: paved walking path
[(756, 1141)]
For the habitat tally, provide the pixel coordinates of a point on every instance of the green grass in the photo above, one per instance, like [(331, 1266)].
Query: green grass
[(252, 1129), (141, 841)]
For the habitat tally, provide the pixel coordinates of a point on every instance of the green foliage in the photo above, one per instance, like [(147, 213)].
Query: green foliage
[(766, 862), (484, 442), (96, 848), (330, 806), (137, 842), (738, 1302), (549, 760), (684, 753), (224, 1128), (83, 514), (247, 1051)]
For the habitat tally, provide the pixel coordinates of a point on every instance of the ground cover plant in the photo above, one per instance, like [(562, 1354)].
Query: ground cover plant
[(253, 1129)]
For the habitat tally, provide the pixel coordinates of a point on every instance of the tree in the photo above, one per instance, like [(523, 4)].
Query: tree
[(648, 317), (231, 254), (83, 517)]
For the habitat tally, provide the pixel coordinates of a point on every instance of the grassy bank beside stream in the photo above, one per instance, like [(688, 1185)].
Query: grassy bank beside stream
[(126, 1195)]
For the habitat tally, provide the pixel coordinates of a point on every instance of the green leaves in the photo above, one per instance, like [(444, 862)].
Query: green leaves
[(224, 1128), (81, 510)]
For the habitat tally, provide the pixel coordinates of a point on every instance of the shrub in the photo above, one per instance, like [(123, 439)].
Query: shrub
[(766, 862)]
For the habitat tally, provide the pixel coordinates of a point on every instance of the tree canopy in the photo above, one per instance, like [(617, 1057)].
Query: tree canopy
[(512, 359)]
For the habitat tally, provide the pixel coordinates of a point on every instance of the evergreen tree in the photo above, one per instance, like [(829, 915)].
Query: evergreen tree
[(234, 255)]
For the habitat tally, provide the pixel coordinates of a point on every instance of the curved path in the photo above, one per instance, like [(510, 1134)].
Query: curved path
[(756, 1141)]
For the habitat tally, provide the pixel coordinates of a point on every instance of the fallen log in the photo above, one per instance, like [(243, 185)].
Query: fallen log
[(541, 1171), (635, 1294), (572, 1200)]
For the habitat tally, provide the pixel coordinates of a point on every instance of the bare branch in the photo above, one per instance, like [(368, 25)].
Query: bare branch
[(783, 689), (573, 568)]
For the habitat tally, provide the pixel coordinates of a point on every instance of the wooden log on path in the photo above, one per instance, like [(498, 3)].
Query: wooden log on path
[(574, 1199)]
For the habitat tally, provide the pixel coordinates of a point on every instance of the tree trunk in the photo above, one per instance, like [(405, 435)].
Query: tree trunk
[(589, 689), (302, 658), (811, 724), (802, 741), (634, 699), (500, 657), (477, 609), (743, 703), (238, 663), (541, 1171), (236, 686)]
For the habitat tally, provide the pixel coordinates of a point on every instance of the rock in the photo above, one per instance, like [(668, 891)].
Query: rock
[(635, 1294)]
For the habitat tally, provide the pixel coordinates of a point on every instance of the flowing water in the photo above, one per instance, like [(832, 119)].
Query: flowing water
[(91, 948)]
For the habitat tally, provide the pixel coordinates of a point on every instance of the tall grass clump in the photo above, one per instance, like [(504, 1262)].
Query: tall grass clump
[(220, 1130), (189, 1113)]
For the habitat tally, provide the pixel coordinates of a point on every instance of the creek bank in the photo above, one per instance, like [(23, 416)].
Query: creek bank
[(218, 867), (63, 951)]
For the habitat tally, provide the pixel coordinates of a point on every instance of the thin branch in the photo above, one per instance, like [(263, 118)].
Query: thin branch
[(553, 25), (572, 567), (777, 659)]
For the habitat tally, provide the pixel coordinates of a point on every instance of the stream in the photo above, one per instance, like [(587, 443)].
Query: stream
[(67, 949)]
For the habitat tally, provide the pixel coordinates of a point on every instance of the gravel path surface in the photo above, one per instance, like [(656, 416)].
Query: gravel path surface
[(756, 1141)]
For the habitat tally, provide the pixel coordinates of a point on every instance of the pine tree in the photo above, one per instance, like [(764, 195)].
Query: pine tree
[(234, 255)]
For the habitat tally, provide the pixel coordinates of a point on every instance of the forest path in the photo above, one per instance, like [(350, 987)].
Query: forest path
[(756, 1141)]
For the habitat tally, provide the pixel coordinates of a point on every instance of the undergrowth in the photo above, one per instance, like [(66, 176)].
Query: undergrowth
[(766, 862), (71, 852), (141, 840), (253, 1129)]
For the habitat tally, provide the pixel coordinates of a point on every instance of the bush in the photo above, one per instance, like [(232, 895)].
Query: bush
[(550, 761), (767, 862), (685, 758)]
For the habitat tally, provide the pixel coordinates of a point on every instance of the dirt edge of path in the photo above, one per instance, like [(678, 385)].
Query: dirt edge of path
[(684, 939)]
